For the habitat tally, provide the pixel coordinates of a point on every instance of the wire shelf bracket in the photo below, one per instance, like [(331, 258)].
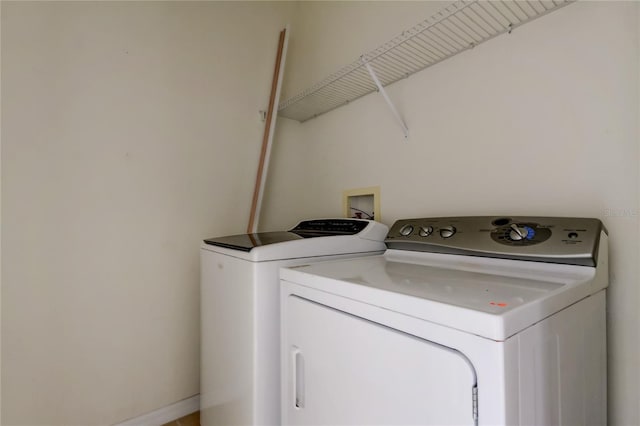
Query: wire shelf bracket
[(460, 26), (384, 94)]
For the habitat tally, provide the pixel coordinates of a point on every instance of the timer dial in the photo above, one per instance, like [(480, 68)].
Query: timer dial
[(520, 234)]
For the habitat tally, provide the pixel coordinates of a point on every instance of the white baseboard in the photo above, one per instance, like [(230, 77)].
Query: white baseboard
[(165, 414)]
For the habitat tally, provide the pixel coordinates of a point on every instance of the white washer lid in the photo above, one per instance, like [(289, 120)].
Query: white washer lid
[(493, 298), (270, 246)]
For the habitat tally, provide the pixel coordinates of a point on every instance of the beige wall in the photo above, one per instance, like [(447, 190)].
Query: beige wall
[(0, 216), (540, 122), (130, 131)]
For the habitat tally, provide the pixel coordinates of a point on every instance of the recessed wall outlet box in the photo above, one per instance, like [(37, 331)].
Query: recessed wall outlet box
[(362, 203)]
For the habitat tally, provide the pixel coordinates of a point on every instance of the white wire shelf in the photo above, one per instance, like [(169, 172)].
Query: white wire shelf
[(458, 27)]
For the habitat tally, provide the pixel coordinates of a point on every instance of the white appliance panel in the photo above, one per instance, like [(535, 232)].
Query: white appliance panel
[(494, 298), (349, 371), (240, 328), (552, 373), (240, 339), (226, 395), (562, 367), (530, 330)]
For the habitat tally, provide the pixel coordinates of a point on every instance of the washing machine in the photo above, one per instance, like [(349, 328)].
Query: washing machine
[(240, 315), (462, 321)]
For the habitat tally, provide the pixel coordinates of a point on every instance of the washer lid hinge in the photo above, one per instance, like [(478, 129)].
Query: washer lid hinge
[(474, 396)]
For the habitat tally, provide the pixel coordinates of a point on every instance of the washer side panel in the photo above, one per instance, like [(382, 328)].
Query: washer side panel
[(227, 300)]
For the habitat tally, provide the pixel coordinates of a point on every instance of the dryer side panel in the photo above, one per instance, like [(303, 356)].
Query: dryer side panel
[(342, 369), (562, 377)]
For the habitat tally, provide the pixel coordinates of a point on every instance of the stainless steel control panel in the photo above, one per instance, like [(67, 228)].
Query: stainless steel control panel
[(544, 239)]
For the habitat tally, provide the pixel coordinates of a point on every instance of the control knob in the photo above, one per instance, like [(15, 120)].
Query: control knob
[(447, 231), (406, 230), (425, 231)]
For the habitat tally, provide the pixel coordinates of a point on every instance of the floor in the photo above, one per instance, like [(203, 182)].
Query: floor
[(192, 419)]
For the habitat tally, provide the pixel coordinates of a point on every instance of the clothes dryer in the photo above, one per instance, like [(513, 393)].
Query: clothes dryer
[(240, 333), (463, 321)]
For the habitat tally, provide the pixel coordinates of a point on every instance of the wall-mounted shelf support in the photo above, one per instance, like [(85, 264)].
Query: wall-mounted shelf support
[(383, 92)]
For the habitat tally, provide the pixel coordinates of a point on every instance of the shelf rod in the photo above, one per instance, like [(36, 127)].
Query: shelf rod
[(383, 92)]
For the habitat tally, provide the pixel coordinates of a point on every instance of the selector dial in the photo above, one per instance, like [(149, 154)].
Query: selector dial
[(425, 231), (521, 234), (447, 231), (518, 233)]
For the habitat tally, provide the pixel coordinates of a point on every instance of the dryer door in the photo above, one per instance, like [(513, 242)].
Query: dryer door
[(344, 370)]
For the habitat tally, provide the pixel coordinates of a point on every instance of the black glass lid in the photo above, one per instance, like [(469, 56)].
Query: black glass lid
[(245, 242), (305, 229)]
